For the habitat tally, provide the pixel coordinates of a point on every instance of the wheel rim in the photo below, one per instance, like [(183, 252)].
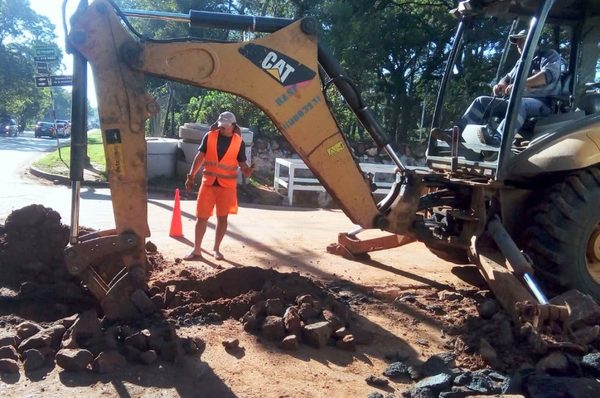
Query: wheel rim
[(593, 254)]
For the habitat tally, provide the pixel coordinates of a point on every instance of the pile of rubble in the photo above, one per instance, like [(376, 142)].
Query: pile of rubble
[(286, 308)]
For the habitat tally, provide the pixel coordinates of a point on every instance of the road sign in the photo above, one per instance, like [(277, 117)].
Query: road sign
[(42, 68), (45, 51), (61, 80), (46, 58), (42, 81)]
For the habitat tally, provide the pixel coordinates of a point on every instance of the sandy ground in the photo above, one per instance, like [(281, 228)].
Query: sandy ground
[(288, 240)]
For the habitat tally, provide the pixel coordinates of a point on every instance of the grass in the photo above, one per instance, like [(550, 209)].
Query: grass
[(57, 162)]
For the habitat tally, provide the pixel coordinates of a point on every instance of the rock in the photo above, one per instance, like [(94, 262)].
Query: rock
[(142, 302), (341, 332), (27, 329), (317, 334), (290, 343), (375, 394), (591, 363), (9, 352), (587, 334), (131, 353), (487, 352), (446, 295), (74, 359), (546, 386), (305, 299), (307, 312), (67, 322), (478, 381), (108, 362), (139, 340), (436, 384), (148, 357), (555, 364), (231, 344), (87, 331), (259, 309), (292, 321), (9, 366), (377, 381), (9, 339), (158, 300), (335, 322), (438, 363), (346, 343), (504, 337), (273, 328), (32, 360), (189, 345), (251, 322), (398, 370), (487, 308), (56, 333), (274, 307), (40, 340), (583, 308)]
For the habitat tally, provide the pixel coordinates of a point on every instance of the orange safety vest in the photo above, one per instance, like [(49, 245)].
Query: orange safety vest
[(224, 170)]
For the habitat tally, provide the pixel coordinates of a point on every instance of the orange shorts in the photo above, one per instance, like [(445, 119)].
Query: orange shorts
[(211, 196)]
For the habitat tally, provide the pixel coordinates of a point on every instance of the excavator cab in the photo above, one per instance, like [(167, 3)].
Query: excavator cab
[(568, 27)]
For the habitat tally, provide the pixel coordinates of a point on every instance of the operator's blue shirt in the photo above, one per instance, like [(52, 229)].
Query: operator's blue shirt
[(547, 61)]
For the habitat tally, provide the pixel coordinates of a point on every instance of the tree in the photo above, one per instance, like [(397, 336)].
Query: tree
[(21, 29)]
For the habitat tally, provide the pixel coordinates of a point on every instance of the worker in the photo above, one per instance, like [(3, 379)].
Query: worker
[(222, 151), (543, 82)]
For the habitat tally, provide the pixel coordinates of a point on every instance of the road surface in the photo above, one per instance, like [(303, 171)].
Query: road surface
[(289, 239)]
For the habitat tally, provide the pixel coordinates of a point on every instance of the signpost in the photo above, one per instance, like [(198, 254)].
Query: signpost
[(61, 80), (42, 81)]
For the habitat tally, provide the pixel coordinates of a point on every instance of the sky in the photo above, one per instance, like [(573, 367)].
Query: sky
[(53, 10)]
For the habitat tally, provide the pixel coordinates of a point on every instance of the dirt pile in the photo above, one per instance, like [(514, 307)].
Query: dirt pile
[(32, 267), (285, 308)]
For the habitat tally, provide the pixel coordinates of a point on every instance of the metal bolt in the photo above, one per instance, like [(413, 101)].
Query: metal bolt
[(309, 26)]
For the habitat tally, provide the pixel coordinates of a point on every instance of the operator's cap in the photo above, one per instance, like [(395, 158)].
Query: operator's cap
[(515, 37), (226, 119)]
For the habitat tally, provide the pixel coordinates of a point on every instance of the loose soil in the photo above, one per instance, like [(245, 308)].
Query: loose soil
[(213, 306)]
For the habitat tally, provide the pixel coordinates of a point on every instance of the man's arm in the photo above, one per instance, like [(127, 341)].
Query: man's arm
[(196, 164), (246, 170)]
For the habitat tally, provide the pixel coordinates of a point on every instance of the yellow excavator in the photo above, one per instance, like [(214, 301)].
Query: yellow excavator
[(524, 212)]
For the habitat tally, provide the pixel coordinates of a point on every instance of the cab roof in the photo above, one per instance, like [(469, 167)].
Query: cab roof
[(563, 10)]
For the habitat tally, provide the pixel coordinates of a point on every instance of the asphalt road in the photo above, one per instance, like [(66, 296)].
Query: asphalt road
[(20, 189)]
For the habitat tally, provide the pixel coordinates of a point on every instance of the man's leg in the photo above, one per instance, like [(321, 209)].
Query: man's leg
[(199, 231), (476, 112), (219, 235), (529, 107)]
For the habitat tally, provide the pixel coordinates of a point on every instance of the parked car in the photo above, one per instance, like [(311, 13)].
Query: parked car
[(44, 129), (8, 126), (63, 128)]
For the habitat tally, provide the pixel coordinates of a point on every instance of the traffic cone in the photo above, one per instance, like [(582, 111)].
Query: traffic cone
[(176, 230)]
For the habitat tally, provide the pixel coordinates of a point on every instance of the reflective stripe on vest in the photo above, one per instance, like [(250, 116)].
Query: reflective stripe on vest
[(224, 170)]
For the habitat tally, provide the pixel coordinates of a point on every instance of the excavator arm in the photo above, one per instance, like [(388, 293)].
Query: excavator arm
[(279, 73)]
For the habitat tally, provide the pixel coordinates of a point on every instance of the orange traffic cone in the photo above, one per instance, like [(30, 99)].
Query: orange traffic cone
[(176, 230)]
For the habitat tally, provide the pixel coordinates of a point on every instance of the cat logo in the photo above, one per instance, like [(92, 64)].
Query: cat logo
[(277, 67), (280, 67)]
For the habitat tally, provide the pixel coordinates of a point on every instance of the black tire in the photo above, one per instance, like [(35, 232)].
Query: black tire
[(564, 226)]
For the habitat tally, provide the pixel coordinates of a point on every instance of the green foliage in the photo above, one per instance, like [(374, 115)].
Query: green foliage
[(57, 162)]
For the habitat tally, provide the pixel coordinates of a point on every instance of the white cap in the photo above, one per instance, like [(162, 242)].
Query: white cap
[(226, 119)]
